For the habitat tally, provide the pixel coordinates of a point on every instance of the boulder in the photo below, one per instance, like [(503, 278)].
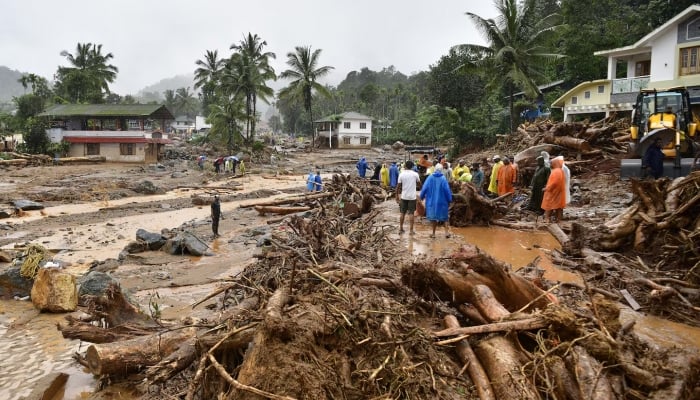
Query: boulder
[(95, 283), (4, 213), (147, 187), (5, 257), (154, 241), (135, 247), (54, 291), (12, 284), (186, 243), (398, 146), (27, 205)]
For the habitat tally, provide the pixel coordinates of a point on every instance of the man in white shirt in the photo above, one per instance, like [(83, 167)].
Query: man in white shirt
[(406, 194)]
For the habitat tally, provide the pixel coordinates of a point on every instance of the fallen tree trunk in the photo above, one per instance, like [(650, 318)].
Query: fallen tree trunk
[(570, 142), (280, 210), (502, 363), (121, 358), (515, 325), (296, 199), (474, 368)]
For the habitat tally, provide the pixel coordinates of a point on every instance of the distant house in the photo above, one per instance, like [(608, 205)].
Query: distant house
[(349, 130), (668, 56), (120, 133), (183, 125)]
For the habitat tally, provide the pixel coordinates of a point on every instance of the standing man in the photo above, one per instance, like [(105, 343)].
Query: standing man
[(393, 175), (506, 178), (215, 216), (318, 183), (310, 182), (554, 198), (653, 161), (539, 180), (493, 185), (362, 167), (406, 195), (478, 178), (438, 196)]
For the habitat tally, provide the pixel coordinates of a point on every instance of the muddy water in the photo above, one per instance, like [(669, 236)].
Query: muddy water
[(33, 348), (517, 248)]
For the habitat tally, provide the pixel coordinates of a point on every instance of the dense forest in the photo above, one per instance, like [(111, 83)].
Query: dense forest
[(464, 99)]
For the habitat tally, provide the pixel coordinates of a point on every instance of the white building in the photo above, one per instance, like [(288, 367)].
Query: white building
[(349, 130)]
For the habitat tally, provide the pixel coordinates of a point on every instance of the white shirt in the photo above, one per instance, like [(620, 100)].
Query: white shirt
[(408, 179)]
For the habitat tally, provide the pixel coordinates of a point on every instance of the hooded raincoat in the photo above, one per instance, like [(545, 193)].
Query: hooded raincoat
[(437, 195), (554, 193)]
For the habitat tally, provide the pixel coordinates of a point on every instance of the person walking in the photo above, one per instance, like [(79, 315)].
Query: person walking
[(215, 216), (362, 167), (318, 183), (554, 198), (438, 196), (407, 183), (200, 161), (384, 175), (393, 175), (310, 182), (493, 185), (506, 178), (653, 161), (539, 180)]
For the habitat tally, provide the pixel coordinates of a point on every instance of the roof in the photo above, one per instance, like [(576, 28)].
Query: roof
[(560, 102), (543, 87), (108, 110), (646, 40), (98, 139), (344, 116)]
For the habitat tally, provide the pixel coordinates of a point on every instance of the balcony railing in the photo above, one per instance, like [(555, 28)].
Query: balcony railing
[(629, 85)]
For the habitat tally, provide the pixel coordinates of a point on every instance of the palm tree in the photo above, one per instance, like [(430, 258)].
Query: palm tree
[(185, 102), (207, 76), (515, 55), (89, 76), (304, 74), (225, 118), (251, 67)]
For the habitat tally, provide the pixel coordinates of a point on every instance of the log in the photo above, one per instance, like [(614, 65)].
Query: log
[(474, 368), (570, 142), (280, 210), (296, 199), (122, 358), (486, 303), (472, 313), (565, 385), (15, 162), (593, 384), (515, 325), (558, 234), (501, 360)]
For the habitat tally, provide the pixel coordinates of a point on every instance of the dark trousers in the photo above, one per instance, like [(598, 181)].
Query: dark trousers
[(215, 226)]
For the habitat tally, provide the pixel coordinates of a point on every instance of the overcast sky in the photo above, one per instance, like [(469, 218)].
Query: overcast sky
[(156, 39)]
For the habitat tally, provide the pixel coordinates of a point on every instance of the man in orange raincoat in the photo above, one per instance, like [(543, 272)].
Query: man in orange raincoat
[(555, 192), (506, 178)]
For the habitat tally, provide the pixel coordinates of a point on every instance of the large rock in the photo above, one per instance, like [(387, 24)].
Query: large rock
[(4, 213), (27, 205), (186, 243), (95, 283), (13, 284), (54, 291), (147, 187), (154, 241)]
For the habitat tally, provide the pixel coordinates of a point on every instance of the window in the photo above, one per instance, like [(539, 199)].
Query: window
[(92, 149), (363, 125), (346, 125), (134, 124), (109, 125), (363, 140), (126, 149), (587, 94), (601, 88), (689, 62), (574, 100), (346, 140)]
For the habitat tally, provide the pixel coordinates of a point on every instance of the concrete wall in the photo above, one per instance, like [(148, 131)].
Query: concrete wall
[(111, 152), (354, 141)]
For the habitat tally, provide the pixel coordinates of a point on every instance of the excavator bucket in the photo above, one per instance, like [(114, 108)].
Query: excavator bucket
[(632, 168)]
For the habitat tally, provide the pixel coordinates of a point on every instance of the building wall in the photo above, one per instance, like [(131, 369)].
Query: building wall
[(664, 60), (354, 141), (689, 30), (111, 152)]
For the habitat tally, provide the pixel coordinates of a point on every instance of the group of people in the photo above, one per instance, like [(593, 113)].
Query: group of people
[(223, 164), (550, 188), (314, 183)]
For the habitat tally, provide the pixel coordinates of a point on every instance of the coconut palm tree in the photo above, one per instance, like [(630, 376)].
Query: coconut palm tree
[(88, 77), (251, 69), (304, 72), (185, 102), (207, 77), (515, 54)]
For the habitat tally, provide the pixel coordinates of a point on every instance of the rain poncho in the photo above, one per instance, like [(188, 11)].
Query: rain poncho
[(539, 180), (437, 195), (310, 182), (318, 183), (393, 175), (554, 197), (493, 187), (567, 180), (362, 167), (384, 175), (506, 177)]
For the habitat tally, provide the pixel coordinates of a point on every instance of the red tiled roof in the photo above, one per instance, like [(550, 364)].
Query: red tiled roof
[(98, 139)]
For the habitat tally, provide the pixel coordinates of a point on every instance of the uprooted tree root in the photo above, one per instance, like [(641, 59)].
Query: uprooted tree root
[(331, 309)]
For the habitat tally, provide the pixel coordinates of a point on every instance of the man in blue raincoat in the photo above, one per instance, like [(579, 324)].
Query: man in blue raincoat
[(393, 175), (362, 167), (437, 196)]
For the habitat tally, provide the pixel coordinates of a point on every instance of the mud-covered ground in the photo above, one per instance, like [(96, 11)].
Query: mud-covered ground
[(93, 211)]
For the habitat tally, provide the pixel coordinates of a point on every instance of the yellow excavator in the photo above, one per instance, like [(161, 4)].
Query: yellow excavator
[(664, 114)]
